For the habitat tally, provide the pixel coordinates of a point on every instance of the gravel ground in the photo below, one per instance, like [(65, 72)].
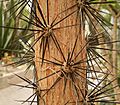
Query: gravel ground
[(12, 93)]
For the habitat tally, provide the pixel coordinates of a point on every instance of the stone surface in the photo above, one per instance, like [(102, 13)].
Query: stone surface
[(8, 96), (10, 77)]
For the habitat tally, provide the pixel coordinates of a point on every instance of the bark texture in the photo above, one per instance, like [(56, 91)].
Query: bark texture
[(66, 31)]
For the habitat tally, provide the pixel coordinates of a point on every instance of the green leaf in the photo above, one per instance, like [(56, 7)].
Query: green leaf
[(1, 23)]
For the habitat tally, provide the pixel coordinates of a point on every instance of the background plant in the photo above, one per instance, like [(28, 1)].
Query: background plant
[(10, 40)]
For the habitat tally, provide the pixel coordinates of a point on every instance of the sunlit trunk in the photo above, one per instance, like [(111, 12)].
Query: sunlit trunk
[(62, 92)]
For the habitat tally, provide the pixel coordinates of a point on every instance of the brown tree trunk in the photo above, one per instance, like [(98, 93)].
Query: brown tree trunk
[(66, 38), (114, 59)]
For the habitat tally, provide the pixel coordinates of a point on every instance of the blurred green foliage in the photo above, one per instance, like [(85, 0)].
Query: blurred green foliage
[(9, 38)]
